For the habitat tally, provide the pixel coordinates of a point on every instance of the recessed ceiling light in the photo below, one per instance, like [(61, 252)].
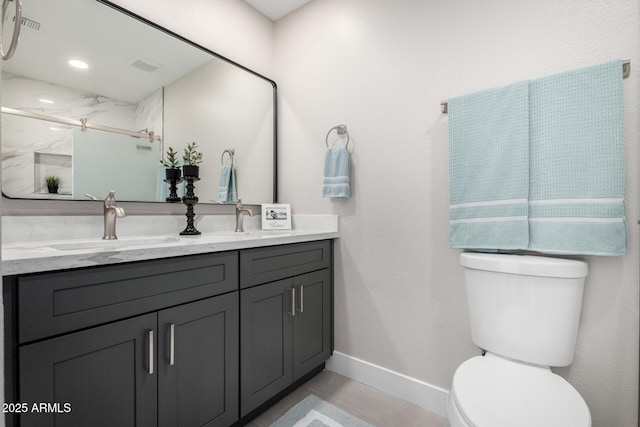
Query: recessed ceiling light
[(46, 101), (78, 64), (56, 129)]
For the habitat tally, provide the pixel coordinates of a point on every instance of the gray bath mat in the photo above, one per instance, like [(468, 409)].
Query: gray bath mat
[(315, 412)]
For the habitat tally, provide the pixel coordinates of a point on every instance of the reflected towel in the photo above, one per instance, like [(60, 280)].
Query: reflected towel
[(162, 187), (576, 201), (489, 169), (335, 183), (227, 190)]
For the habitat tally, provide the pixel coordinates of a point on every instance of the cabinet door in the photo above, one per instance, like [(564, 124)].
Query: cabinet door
[(265, 339), (106, 374), (198, 355), (312, 326)]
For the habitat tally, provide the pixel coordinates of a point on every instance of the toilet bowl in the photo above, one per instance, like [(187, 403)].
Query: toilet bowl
[(524, 311), (491, 391)]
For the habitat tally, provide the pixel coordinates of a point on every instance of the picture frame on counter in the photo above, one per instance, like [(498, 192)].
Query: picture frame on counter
[(276, 216)]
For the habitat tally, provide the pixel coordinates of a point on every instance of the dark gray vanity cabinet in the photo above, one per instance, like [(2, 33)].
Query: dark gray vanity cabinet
[(286, 323), (198, 340), (153, 343)]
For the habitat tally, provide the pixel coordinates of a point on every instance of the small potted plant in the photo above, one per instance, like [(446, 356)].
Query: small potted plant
[(192, 158), (172, 174), (52, 183), (172, 163)]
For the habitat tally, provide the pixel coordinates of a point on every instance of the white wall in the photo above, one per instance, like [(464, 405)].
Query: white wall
[(382, 68)]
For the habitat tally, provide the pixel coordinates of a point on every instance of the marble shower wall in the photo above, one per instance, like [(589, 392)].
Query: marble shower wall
[(148, 114), (32, 149)]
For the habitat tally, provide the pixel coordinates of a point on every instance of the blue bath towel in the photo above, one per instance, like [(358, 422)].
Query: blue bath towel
[(489, 169), (227, 190), (571, 200), (577, 172), (335, 183)]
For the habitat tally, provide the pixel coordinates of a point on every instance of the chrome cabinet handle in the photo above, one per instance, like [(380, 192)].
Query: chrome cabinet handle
[(172, 344), (150, 351), (292, 301), (16, 28), (301, 309)]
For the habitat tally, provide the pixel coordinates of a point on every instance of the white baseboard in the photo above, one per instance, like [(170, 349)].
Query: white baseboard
[(419, 393)]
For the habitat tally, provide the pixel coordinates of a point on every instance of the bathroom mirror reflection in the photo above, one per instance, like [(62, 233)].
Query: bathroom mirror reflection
[(141, 79)]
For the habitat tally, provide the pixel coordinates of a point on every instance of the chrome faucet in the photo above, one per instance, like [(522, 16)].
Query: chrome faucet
[(240, 211), (111, 212)]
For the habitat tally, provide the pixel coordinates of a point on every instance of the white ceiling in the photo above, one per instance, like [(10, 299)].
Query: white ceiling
[(276, 9), (110, 41)]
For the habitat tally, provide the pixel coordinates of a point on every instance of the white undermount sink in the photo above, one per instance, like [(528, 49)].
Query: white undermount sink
[(251, 233), (113, 244)]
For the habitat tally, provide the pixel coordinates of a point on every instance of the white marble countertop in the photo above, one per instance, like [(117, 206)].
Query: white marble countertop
[(32, 257), (50, 255)]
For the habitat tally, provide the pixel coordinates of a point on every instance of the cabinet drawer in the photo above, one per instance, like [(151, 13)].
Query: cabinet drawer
[(55, 303), (262, 265)]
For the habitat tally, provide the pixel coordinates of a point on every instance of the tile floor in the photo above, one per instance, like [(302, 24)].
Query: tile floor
[(368, 404)]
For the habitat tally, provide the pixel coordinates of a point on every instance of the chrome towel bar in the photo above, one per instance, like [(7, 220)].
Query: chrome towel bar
[(626, 71)]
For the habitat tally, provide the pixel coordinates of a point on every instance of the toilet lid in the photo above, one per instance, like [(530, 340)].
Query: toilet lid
[(495, 392)]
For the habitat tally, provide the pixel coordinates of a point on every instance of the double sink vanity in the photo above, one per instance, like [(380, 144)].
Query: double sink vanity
[(164, 330)]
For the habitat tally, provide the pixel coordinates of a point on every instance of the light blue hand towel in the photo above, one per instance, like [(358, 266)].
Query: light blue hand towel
[(335, 183), (162, 187), (227, 191), (489, 169), (577, 162)]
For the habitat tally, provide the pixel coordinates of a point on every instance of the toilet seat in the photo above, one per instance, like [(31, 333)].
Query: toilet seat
[(492, 391)]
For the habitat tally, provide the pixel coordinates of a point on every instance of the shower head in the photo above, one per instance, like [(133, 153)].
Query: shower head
[(29, 23)]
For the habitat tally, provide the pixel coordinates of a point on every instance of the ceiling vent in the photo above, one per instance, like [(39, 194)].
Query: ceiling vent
[(144, 64)]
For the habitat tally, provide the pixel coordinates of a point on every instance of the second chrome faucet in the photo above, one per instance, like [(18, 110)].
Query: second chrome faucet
[(240, 211)]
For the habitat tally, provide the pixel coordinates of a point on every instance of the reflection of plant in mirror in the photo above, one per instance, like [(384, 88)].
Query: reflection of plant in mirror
[(171, 162), (52, 181), (191, 156)]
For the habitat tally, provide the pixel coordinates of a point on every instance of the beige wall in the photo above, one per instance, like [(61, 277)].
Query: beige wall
[(382, 68)]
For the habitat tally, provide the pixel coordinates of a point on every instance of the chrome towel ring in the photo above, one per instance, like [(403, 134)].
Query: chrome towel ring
[(231, 152), (342, 130)]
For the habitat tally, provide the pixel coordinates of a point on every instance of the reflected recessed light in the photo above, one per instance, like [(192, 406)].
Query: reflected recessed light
[(78, 64), (46, 101), (56, 129)]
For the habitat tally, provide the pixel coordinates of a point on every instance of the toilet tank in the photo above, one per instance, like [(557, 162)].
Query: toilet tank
[(525, 307)]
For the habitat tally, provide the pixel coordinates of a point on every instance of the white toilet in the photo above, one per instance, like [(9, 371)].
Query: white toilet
[(524, 311)]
